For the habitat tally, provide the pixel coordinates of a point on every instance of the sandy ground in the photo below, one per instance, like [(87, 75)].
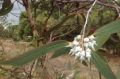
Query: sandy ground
[(63, 66)]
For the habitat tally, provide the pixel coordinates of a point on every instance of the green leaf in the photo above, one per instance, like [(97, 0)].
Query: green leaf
[(6, 7), (118, 74), (36, 53), (61, 51), (110, 28), (104, 32), (102, 35), (102, 66)]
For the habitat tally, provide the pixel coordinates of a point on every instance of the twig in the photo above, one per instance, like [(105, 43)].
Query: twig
[(32, 69), (19, 6), (107, 5), (63, 34), (50, 38), (19, 2), (14, 14), (51, 12), (86, 21), (117, 8)]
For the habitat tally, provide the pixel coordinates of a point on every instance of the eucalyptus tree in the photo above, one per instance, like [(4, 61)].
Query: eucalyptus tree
[(58, 18)]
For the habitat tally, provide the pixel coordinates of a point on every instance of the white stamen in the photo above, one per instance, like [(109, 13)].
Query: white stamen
[(77, 55), (91, 45), (94, 42), (78, 37), (78, 49), (82, 54), (86, 45)]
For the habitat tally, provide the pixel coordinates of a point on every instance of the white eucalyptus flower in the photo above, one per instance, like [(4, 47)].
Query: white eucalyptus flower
[(86, 40), (82, 56), (89, 58), (75, 43), (88, 54), (91, 45), (77, 55), (71, 51), (94, 42), (82, 53), (78, 37), (86, 45), (78, 49), (88, 50), (92, 37)]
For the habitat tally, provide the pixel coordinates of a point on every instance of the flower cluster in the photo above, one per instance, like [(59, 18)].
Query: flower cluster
[(82, 49)]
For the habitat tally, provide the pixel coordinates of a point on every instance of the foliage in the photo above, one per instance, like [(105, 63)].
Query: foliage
[(24, 29), (64, 22), (102, 66), (6, 7), (64, 50), (14, 32), (36, 53), (99, 63)]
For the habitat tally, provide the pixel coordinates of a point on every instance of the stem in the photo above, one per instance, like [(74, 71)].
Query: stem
[(86, 21)]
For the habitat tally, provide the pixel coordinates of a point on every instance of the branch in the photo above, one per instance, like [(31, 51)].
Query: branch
[(62, 22), (63, 34), (19, 2), (71, 1), (86, 21), (80, 8)]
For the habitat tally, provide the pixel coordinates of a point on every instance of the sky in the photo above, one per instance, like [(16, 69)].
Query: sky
[(13, 16)]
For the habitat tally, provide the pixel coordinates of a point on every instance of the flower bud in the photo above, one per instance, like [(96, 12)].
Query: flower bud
[(78, 37)]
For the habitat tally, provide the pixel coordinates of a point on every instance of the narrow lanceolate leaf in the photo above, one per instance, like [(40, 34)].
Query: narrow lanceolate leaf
[(61, 51), (110, 28), (105, 31), (102, 66), (33, 54), (6, 7), (102, 35)]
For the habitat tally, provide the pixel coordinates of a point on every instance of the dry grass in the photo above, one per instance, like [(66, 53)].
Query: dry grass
[(62, 66)]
